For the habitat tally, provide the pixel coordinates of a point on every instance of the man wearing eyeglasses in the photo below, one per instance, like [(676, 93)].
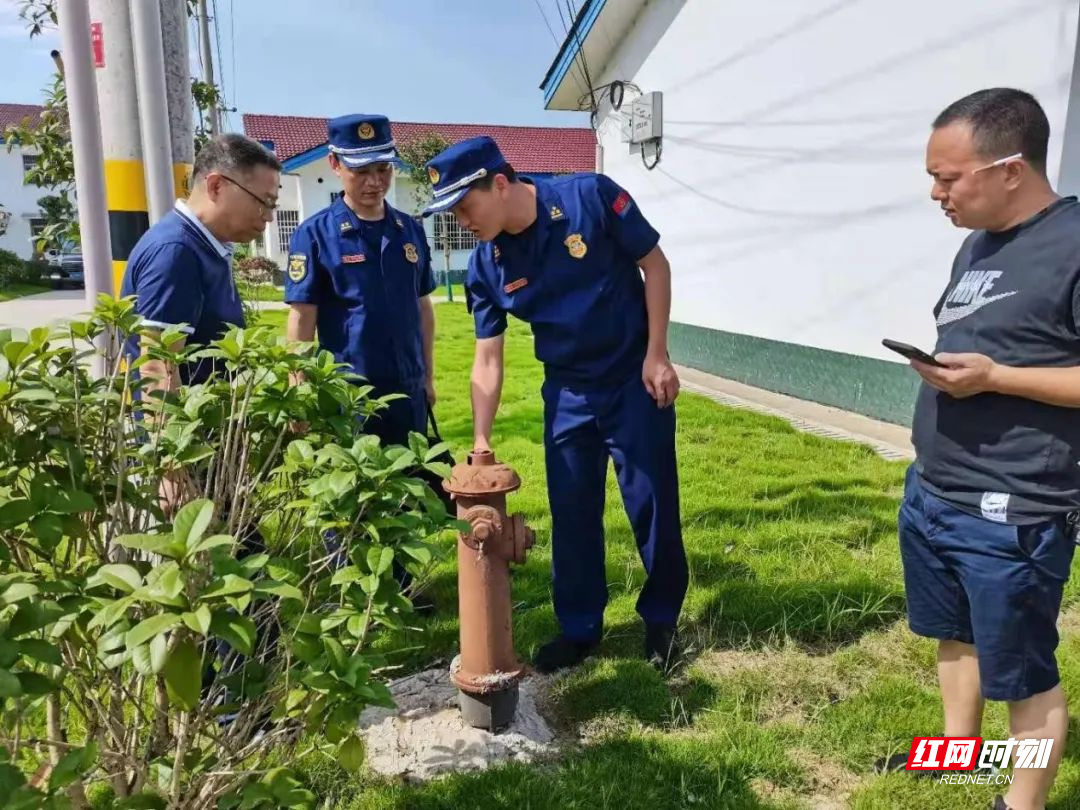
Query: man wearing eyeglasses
[(987, 523), (180, 271), (359, 274)]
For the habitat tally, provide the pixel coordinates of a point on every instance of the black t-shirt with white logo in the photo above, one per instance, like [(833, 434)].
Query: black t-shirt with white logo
[(1014, 297)]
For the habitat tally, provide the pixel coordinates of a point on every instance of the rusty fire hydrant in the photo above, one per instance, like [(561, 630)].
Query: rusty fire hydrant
[(487, 671)]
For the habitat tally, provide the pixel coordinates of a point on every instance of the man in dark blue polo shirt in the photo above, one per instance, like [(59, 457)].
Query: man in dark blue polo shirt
[(567, 256), (987, 523), (180, 271)]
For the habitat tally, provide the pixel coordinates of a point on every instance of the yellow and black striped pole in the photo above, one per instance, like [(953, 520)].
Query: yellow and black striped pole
[(125, 181)]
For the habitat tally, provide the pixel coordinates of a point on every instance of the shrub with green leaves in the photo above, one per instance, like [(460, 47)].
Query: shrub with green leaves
[(161, 655)]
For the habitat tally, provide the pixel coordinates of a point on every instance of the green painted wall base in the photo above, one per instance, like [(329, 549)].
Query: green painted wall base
[(865, 385)]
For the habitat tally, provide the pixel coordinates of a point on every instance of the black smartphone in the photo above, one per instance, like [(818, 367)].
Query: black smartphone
[(911, 352)]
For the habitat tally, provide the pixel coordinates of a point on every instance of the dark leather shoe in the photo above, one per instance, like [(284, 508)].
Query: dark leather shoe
[(661, 647), (562, 653)]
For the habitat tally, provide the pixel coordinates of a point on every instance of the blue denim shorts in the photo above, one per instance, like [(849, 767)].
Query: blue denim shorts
[(994, 585)]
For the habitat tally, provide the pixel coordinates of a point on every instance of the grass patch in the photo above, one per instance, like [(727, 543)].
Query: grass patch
[(800, 672), (19, 290)]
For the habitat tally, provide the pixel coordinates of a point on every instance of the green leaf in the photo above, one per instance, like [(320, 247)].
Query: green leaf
[(158, 648), (9, 653), (33, 616), (11, 779), (34, 394), (229, 585), (71, 766), (73, 502), (214, 541), (16, 592), (418, 550), (346, 576), (183, 675), (144, 801), (351, 754), (34, 683), (199, 620), (140, 659), (238, 631), (149, 628), (117, 575), (281, 590), (47, 528), (9, 685), (162, 544), (379, 560), (111, 613), (15, 513), (335, 653), (41, 651), (192, 522)]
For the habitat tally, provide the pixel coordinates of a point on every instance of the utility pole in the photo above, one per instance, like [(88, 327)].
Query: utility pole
[(82, 101), (174, 35), (153, 105), (125, 182), (208, 62)]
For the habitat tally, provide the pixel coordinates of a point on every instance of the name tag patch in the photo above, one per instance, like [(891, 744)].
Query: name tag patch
[(354, 258), (513, 286)]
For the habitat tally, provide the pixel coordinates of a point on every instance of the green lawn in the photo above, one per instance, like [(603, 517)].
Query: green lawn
[(13, 291), (800, 670)]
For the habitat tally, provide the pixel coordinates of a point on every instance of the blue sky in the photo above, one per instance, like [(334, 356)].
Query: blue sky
[(461, 61)]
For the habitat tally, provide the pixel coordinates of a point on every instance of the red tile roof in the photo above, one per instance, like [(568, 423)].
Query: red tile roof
[(15, 113), (528, 149)]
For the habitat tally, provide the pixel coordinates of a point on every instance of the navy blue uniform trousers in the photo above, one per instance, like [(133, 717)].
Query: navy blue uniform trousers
[(582, 430)]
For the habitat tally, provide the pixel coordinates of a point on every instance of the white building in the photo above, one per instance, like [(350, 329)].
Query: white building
[(19, 199), (308, 184), (791, 193)]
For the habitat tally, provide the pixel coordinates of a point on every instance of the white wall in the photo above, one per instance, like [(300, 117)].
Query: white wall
[(792, 196), (20, 200)]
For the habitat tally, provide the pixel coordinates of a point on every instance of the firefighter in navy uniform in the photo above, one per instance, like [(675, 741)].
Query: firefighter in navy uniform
[(567, 255), (359, 273)]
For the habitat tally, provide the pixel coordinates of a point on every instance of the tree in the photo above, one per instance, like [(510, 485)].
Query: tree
[(51, 135), (415, 154), (128, 635)]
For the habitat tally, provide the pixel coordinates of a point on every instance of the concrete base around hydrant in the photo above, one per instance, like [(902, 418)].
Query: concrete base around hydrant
[(425, 736)]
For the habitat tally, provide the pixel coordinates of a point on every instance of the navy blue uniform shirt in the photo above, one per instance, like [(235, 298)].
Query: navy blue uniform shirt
[(181, 275), (368, 300), (573, 275)]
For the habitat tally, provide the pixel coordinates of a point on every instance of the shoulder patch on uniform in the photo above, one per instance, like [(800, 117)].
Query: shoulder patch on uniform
[(354, 258), (622, 203), (297, 266)]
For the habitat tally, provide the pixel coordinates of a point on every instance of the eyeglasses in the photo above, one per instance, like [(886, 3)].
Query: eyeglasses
[(998, 162), (264, 204)]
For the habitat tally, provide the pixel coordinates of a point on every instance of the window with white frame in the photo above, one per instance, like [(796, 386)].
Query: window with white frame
[(449, 233), (37, 226), (28, 163), (287, 222)]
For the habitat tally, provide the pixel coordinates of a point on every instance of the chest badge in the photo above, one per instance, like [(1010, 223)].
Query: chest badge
[(345, 227), (556, 213), (410, 253), (514, 286), (297, 266), (576, 246), (354, 258)]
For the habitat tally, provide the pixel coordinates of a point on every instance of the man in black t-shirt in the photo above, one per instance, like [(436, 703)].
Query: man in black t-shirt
[(987, 522)]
